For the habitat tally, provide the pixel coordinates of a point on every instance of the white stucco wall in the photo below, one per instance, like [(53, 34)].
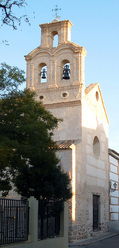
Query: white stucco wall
[(114, 193), (69, 128)]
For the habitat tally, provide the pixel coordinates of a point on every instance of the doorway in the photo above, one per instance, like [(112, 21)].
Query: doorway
[(96, 212)]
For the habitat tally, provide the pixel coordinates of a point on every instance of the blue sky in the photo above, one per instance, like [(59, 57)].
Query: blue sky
[(95, 26)]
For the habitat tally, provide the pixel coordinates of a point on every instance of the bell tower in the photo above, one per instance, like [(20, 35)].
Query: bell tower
[(56, 73), (49, 30), (57, 69)]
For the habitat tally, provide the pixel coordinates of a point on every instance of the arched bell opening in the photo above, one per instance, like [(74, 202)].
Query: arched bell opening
[(43, 73), (66, 70), (55, 39)]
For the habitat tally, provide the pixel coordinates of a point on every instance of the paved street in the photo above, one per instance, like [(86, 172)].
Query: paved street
[(112, 242)]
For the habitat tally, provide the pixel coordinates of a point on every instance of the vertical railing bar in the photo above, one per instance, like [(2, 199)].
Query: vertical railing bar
[(2, 221), (18, 222), (11, 223), (47, 212), (3, 217), (7, 219), (28, 210), (14, 220), (10, 236), (23, 219), (16, 216), (5, 234), (6, 227), (2, 212)]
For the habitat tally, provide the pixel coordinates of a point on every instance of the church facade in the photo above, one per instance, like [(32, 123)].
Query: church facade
[(57, 75)]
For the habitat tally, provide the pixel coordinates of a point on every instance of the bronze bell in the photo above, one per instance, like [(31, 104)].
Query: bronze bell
[(66, 72), (43, 73)]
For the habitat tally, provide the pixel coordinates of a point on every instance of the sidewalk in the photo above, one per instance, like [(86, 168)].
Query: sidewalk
[(91, 240)]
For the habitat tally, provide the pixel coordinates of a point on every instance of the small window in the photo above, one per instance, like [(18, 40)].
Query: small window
[(97, 95), (96, 147), (43, 73)]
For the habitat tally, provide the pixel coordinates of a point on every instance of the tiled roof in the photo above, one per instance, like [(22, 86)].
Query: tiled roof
[(64, 144)]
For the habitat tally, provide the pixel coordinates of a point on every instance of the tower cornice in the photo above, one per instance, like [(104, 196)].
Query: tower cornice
[(55, 22)]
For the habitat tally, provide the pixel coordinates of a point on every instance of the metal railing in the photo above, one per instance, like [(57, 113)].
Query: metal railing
[(14, 218), (48, 220)]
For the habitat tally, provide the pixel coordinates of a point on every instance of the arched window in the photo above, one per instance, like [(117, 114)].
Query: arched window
[(43, 73), (96, 147), (65, 69), (97, 95), (55, 39)]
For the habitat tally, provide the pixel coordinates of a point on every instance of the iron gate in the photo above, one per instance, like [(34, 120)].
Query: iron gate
[(14, 216), (48, 220)]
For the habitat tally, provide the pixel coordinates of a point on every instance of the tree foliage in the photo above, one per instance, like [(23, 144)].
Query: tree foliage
[(27, 155), (10, 79), (8, 17)]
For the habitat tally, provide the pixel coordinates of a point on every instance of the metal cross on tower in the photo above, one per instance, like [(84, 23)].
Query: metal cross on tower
[(56, 9)]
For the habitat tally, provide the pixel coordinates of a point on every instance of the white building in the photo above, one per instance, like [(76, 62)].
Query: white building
[(57, 74), (114, 189)]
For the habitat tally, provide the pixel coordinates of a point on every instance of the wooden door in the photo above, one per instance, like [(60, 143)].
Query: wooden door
[(96, 201)]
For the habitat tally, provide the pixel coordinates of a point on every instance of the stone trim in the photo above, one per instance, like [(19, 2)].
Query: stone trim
[(62, 104)]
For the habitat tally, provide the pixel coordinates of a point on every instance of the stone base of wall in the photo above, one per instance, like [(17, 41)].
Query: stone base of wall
[(114, 226), (77, 232)]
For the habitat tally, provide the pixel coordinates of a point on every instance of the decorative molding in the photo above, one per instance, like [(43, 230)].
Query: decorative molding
[(55, 88), (51, 51), (62, 104)]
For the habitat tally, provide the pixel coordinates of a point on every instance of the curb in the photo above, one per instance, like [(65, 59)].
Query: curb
[(92, 240)]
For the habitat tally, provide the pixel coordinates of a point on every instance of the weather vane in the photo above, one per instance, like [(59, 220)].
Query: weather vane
[(56, 9)]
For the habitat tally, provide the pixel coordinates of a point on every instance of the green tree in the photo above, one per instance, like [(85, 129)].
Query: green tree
[(11, 78), (27, 150)]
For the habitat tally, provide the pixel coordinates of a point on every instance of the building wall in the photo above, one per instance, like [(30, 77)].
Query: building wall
[(65, 157), (69, 128), (114, 193), (92, 172)]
